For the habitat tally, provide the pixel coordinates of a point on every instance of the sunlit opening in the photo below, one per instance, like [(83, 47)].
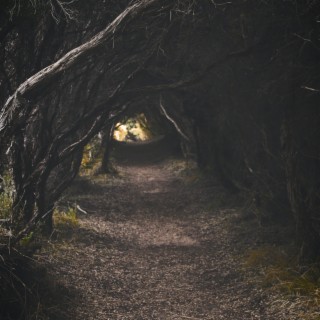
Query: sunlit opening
[(133, 129)]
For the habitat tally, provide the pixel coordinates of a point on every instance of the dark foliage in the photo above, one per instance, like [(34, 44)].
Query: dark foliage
[(239, 81)]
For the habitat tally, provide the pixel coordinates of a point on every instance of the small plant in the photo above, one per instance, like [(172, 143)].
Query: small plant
[(87, 157), (27, 239), (5, 206), (6, 197), (66, 218), (91, 157)]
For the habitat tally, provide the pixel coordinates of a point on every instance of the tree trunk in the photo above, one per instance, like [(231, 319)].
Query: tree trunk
[(106, 146)]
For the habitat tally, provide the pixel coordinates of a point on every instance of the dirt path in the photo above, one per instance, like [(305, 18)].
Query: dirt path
[(152, 247)]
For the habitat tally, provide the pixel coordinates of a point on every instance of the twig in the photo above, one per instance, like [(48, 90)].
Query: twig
[(81, 210)]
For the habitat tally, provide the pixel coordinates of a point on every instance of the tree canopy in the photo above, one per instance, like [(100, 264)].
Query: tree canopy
[(240, 79)]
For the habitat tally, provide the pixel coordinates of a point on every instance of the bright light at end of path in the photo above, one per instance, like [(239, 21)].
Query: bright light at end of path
[(120, 132), (132, 130)]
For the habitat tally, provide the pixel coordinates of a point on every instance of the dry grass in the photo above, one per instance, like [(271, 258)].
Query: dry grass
[(6, 198), (281, 272), (65, 218), (91, 158), (5, 205)]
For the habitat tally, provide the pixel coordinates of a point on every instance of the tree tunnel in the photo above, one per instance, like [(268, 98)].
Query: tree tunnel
[(140, 136), (138, 139), (236, 83)]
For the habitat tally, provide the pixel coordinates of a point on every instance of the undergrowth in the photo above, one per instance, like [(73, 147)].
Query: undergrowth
[(26, 291), (5, 206), (281, 271), (91, 157), (6, 197), (66, 218)]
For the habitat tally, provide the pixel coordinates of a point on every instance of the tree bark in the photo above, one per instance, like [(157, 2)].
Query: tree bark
[(106, 145), (9, 116)]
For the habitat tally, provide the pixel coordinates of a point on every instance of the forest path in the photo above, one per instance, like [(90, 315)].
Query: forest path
[(153, 247)]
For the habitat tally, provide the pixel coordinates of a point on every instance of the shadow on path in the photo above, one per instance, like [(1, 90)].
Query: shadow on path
[(152, 247)]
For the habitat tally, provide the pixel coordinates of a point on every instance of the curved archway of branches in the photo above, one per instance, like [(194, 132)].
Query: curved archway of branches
[(230, 76), (53, 114)]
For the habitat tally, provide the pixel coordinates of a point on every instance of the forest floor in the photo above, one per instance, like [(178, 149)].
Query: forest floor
[(157, 242)]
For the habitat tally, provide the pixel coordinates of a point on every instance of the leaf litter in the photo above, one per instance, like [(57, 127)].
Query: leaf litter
[(151, 246)]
